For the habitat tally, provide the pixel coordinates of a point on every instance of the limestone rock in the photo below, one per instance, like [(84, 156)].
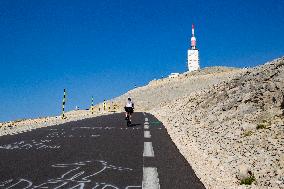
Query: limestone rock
[(244, 171)]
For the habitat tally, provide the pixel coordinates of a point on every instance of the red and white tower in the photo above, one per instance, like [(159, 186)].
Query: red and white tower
[(193, 54), (193, 39)]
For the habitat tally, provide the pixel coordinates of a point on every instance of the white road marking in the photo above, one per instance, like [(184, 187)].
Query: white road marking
[(146, 126), (150, 174), (150, 178), (147, 134), (95, 135), (148, 150)]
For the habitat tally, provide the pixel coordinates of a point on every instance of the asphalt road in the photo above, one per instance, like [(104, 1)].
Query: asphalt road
[(96, 153)]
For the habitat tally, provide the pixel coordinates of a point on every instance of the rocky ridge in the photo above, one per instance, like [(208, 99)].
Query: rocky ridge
[(160, 92)]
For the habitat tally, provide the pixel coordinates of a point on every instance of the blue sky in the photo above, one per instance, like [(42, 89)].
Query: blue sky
[(103, 48)]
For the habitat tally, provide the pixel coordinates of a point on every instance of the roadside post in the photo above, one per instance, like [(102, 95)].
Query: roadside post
[(114, 107), (92, 105), (104, 105), (63, 104)]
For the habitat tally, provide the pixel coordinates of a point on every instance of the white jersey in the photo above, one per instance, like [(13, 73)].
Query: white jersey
[(129, 104)]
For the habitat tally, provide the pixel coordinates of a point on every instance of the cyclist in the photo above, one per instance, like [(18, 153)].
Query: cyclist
[(129, 107)]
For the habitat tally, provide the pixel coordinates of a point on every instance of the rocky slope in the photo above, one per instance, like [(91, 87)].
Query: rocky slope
[(233, 129), (160, 92), (228, 123)]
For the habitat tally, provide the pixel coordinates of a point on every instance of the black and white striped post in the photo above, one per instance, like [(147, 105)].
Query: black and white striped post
[(92, 106), (104, 105), (114, 107), (63, 104)]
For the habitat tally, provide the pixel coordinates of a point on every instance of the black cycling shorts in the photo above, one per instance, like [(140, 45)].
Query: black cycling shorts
[(129, 109)]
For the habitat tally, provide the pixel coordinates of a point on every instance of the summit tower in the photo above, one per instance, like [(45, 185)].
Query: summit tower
[(193, 54)]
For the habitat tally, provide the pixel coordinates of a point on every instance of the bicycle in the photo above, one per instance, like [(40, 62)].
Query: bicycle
[(128, 122)]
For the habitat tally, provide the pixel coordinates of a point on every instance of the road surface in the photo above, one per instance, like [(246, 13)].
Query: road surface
[(95, 153)]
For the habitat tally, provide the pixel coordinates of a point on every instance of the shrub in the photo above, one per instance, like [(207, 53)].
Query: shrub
[(19, 120), (261, 126), (248, 181), (248, 133)]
